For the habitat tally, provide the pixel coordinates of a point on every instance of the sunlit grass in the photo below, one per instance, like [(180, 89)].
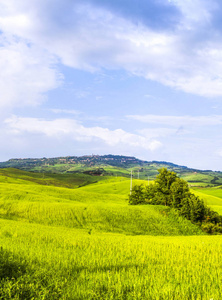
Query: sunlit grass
[(119, 186), (209, 199), (88, 243), (215, 191), (76, 264)]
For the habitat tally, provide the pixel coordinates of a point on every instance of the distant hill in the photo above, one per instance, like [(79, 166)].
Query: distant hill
[(112, 165), (86, 161)]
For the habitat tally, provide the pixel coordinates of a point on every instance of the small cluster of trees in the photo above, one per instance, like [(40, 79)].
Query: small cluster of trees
[(170, 190)]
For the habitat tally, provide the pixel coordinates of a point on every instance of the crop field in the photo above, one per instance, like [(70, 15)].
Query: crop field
[(216, 192), (208, 198), (54, 179), (60, 168), (88, 243), (211, 196)]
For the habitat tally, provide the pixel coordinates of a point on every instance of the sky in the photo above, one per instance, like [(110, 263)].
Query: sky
[(126, 77)]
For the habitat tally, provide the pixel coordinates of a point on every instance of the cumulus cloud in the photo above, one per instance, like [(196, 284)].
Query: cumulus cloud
[(195, 12), (90, 36), (26, 73), (69, 128)]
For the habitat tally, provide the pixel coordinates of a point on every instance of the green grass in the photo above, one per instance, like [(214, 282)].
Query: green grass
[(212, 196), (143, 220), (70, 168), (217, 208), (87, 243), (88, 208), (197, 177), (63, 263), (52, 179), (216, 192), (119, 186)]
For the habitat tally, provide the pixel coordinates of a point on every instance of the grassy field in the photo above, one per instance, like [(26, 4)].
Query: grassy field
[(209, 199), (53, 179), (58, 242), (198, 178), (211, 196), (216, 192), (63, 263)]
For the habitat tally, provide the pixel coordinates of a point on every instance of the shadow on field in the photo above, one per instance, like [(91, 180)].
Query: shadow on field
[(18, 281), (10, 267)]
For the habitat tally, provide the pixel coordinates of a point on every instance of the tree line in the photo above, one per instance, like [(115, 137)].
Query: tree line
[(170, 190)]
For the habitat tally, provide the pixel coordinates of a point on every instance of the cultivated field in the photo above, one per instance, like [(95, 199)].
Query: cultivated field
[(88, 243)]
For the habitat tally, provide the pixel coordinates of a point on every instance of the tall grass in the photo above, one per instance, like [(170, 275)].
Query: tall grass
[(62, 180), (119, 186), (73, 264), (215, 191), (146, 220), (210, 197), (88, 243)]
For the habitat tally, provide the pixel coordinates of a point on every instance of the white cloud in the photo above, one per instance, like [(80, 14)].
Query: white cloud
[(65, 111), (69, 128), (178, 120), (195, 12), (154, 145), (26, 73), (157, 132), (91, 38)]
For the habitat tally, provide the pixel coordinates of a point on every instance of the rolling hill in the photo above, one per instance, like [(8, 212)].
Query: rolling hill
[(74, 236), (101, 206), (95, 166)]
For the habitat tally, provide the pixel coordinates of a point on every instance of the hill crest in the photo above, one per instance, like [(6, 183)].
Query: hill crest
[(86, 160), (112, 165)]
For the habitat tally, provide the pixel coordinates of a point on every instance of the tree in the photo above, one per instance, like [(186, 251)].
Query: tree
[(137, 195), (173, 191), (179, 191), (185, 208), (164, 180), (197, 209), (150, 192)]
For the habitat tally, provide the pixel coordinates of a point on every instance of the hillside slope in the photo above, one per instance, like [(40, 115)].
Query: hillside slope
[(70, 242), (98, 207), (112, 165)]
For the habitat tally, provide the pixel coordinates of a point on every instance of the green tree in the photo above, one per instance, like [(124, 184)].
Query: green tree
[(197, 209), (185, 208), (150, 193), (137, 195), (164, 180), (173, 191), (179, 190)]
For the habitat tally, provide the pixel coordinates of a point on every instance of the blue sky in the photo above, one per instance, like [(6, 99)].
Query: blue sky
[(127, 77)]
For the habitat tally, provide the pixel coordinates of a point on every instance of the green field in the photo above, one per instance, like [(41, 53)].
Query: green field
[(216, 192), (211, 196), (62, 241), (198, 178), (54, 179)]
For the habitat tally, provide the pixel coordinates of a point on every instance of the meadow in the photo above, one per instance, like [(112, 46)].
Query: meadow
[(86, 242)]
